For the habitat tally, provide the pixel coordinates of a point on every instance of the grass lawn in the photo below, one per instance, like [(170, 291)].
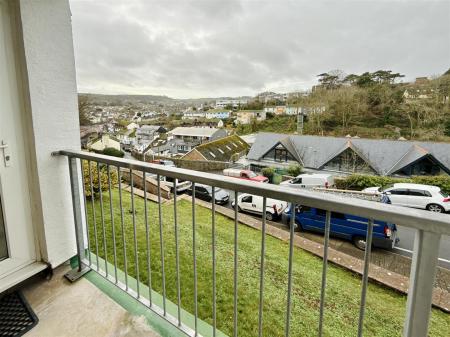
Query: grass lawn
[(385, 308)]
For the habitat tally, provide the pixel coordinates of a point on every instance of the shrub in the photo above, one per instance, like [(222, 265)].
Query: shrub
[(294, 170), (268, 172), (359, 181), (95, 181), (110, 151)]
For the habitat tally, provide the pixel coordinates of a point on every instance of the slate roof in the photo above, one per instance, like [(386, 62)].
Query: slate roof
[(384, 156), (222, 149)]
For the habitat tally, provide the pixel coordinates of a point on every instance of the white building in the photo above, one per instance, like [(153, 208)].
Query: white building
[(104, 142), (132, 126), (235, 103), (193, 114)]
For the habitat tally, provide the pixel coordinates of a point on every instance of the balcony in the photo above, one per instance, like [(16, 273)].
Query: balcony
[(207, 275)]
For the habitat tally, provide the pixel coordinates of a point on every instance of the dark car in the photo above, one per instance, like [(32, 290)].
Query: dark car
[(204, 192), (346, 226)]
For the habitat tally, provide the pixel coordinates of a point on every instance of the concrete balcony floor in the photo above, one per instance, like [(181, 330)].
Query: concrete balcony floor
[(79, 309)]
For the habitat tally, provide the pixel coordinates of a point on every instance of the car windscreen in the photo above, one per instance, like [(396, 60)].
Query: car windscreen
[(444, 194), (251, 174)]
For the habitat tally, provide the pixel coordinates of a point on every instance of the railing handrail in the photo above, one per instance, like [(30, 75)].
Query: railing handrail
[(408, 217)]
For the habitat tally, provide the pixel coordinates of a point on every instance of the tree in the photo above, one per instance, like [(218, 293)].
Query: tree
[(83, 110)]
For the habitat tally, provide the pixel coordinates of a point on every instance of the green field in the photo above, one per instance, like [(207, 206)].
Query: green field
[(385, 308)]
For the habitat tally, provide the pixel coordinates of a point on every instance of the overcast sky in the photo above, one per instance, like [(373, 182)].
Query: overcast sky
[(209, 48)]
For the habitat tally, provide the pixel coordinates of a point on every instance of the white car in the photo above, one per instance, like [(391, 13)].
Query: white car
[(254, 204), (427, 197)]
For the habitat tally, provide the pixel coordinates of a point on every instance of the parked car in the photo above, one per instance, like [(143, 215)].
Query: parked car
[(245, 174), (164, 162), (421, 196), (310, 180), (254, 204), (346, 226), (204, 192)]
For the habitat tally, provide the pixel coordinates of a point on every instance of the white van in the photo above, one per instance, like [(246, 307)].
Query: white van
[(254, 204), (310, 180)]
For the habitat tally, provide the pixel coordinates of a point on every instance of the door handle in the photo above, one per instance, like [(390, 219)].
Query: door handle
[(6, 154)]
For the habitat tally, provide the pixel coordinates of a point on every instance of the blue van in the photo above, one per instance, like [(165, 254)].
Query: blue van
[(346, 226)]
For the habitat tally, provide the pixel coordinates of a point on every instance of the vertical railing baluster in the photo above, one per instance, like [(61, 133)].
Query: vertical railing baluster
[(122, 226), (261, 272), (291, 253), (147, 239), (83, 184), (213, 243), (136, 257), (113, 232), (102, 217), (421, 284), (365, 277), (93, 215), (326, 243), (161, 245), (177, 251), (235, 272), (194, 255)]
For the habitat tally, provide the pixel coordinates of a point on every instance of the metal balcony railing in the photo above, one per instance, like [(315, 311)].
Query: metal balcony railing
[(429, 229)]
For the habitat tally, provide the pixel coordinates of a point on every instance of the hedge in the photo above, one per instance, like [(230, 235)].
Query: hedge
[(359, 181)]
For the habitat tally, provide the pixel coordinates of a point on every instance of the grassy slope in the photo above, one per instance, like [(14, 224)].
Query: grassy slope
[(385, 308)]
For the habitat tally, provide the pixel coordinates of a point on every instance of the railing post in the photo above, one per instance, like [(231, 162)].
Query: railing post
[(421, 283), (82, 269)]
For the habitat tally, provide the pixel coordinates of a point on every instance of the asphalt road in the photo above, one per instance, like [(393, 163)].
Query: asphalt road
[(406, 243)]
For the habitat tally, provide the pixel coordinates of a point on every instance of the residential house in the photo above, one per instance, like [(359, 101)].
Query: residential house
[(103, 142), (193, 114), (227, 149), (350, 155), (132, 126), (147, 133), (184, 139), (217, 114), (246, 116), (283, 110)]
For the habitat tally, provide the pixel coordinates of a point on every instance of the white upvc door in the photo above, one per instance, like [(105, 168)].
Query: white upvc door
[(17, 240)]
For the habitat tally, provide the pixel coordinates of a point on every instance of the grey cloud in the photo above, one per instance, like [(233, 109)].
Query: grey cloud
[(210, 47)]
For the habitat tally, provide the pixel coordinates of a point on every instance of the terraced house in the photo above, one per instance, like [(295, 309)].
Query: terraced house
[(350, 155)]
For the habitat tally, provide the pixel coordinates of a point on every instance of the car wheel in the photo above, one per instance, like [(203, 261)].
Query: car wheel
[(269, 216), (238, 208), (435, 208), (359, 242)]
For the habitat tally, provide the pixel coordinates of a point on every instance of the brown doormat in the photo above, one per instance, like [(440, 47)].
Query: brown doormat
[(16, 315)]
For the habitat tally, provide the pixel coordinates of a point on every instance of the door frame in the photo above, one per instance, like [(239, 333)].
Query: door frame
[(15, 270)]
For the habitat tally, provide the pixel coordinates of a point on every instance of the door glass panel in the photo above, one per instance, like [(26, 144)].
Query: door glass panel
[(3, 246)]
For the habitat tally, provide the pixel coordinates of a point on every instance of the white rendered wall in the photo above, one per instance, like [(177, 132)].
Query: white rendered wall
[(53, 110)]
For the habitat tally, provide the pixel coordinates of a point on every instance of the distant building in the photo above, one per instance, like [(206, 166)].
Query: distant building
[(217, 114), (350, 155), (103, 142), (184, 139), (283, 110), (235, 103), (191, 114), (132, 126), (228, 149), (246, 116), (149, 132)]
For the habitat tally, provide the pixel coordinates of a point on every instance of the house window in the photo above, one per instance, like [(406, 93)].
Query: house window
[(281, 155)]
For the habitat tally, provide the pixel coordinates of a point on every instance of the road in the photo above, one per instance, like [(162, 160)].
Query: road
[(406, 243)]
